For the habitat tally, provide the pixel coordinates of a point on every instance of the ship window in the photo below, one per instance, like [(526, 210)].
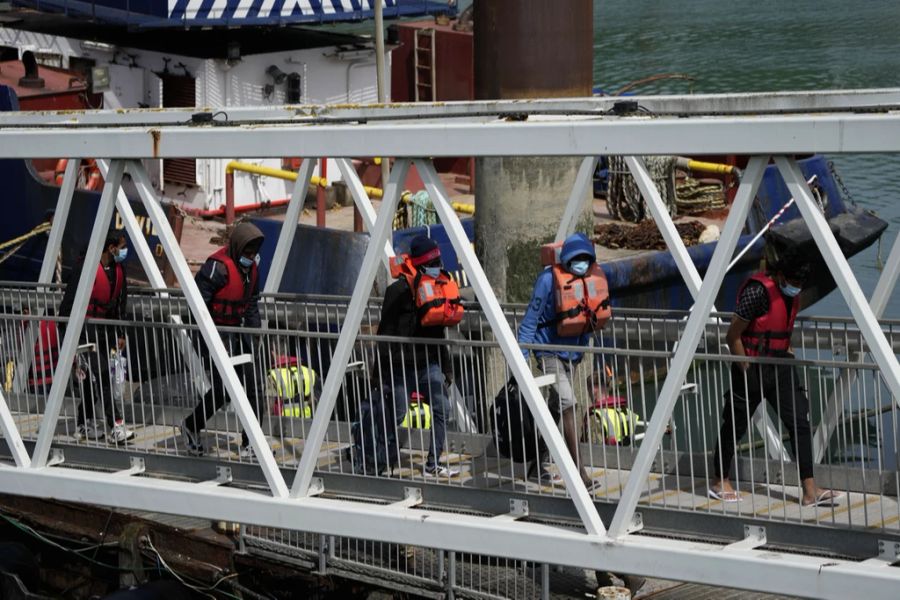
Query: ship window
[(179, 91)]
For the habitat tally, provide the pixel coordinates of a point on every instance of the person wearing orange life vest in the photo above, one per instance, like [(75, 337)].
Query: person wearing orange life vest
[(108, 300), (421, 303), (546, 322), (229, 285), (764, 314)]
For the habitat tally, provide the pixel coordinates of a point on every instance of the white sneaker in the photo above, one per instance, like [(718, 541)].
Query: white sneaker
[(87, 432), (119, 433), (246, 452), (439, 471)]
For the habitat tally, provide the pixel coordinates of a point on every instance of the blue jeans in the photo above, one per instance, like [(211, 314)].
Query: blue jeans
[(430, 383)]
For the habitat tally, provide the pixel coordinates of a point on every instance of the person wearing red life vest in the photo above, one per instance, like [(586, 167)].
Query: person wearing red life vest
[(108, 300), (423, 368), (763, 323), (540, 325), (229, 285)]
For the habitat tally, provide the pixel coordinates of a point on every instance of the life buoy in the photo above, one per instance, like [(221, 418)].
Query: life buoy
[(437, 298), (89, 178)]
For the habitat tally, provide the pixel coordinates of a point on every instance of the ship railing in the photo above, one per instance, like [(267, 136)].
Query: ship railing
[(155, 388)]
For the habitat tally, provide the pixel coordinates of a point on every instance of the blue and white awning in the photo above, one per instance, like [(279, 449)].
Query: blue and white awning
[(216, 13)]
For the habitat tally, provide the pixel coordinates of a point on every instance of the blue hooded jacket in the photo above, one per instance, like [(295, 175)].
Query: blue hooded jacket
[(542, 307)]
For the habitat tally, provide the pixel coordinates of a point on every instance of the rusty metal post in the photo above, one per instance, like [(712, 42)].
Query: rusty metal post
[(229, 197), (320, 193), (527, 49)]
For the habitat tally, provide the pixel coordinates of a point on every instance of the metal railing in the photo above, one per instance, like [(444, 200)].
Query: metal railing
[(156, 388)]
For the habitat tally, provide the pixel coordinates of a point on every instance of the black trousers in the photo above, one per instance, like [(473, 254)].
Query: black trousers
[(96, 387), (780, 386), (217, 396)]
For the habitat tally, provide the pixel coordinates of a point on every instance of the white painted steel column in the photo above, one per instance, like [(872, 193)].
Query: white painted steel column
[(289, 227), (198, 378), (77, 316), (363, 203), (692, 280), (208, 330), (844, 384), (583, 182), (843, 275), (510, 347), (48, 267), (349, 329), (687, 347)]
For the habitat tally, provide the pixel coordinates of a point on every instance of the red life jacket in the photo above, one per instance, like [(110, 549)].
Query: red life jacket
[(436, 298), (46, 355), (230, 302), (103, 297), (770, 333)]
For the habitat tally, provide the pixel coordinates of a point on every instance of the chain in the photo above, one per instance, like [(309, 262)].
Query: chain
[(837, 178)]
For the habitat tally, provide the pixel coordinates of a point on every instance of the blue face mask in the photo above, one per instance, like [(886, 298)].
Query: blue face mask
[(121, 255), (246, 262), (789, 290), (579, 267), (432, 271)]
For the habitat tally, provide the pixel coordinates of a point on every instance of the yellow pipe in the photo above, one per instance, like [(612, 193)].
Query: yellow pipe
[(234, 165), (707, 167), (468, 209)]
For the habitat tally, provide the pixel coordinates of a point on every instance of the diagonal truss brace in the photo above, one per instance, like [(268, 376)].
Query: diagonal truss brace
[(217, 350), (845, 381), (289, 226), (510, 347), (363, 203), (687, 348), (77, 317), (691, 276), (843, 274), (349, 330)]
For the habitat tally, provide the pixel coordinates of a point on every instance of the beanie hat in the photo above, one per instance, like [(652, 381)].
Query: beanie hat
[(576, 245), (423, 250)]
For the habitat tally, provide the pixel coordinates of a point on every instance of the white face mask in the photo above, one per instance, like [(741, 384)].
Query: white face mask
[(432, 271), (789, 290), (579, 267)]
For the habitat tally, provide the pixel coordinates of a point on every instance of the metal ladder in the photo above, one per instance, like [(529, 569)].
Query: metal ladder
[(423, 65)]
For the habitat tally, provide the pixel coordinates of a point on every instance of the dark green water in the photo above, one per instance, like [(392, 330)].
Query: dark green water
[(767, 46)]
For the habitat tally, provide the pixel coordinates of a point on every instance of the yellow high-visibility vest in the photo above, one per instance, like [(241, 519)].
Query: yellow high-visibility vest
[(296, 409), (286, 381), (613, 425), (418, 416)]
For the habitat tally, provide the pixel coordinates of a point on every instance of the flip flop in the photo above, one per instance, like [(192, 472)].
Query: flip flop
[(826, 498), (726, 497)]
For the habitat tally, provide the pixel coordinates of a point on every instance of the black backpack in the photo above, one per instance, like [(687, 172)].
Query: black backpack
[(374, 447), (514, 428)]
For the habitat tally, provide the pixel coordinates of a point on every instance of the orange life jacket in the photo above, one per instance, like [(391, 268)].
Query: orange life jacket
[(46, 355), (103, 296), (230, 302), (582, 303), (770, 333), (436, 298)]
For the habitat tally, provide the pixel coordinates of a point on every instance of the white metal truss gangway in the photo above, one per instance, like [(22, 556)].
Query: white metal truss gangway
[(603, 532)]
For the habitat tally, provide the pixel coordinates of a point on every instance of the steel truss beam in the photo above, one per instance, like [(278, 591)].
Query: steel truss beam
[(762, 570), (289, 226), (693, 104), (538, 136)]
